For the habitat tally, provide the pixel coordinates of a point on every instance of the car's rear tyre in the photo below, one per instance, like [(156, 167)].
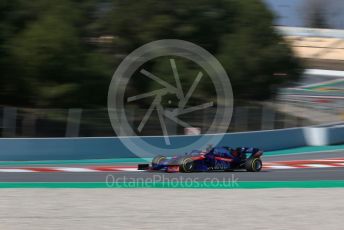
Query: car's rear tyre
[(186, 164), (158, 159), (253, 164)]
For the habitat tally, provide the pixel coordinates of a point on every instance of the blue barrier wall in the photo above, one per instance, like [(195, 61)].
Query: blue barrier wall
[(23, 149), (336, 135)]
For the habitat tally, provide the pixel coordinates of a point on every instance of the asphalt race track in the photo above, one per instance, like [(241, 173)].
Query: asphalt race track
[(304, 174)]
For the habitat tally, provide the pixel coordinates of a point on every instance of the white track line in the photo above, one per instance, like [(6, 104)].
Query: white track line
[(128, 169), (16, 170), (318, 165), (280, 167)]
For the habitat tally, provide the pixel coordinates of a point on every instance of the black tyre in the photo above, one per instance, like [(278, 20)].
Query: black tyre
[(186, 164), (158, 159), (253, 164)]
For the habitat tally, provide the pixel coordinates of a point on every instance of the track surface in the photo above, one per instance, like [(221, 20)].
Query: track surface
[(265, 175), (171, 209)]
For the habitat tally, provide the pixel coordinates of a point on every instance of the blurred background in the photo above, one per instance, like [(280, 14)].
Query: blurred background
[(285, 60)]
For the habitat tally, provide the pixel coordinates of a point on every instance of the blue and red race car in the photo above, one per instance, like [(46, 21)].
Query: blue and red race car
[(214, 159)]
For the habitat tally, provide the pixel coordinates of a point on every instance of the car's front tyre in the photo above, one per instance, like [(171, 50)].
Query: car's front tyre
[(186, 164), (157, 161)]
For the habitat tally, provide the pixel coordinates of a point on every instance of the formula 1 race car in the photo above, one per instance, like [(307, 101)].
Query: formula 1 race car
[(214, 159)]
